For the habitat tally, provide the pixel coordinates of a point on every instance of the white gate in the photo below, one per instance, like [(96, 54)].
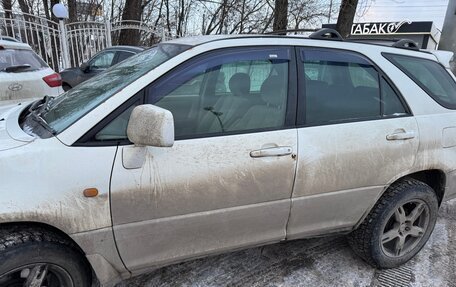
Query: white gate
[(69, 45)]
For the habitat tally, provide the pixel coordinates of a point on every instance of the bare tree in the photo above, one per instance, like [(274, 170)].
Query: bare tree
[(280, 15), (346, 14), (132, 11), (8, 6)]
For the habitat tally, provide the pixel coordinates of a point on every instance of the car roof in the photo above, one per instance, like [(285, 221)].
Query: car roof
[(200, 40), (7, 44), (8, 38)]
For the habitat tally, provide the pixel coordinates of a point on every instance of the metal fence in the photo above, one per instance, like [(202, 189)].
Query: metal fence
[(68, 45)]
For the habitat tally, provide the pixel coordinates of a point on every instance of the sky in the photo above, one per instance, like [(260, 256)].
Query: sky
[(398, 10)]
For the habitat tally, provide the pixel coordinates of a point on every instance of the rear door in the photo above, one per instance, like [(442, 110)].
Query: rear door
[(356, 135)]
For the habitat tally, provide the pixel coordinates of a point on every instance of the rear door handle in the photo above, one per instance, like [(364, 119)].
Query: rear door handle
[(400, 135), (272, 151)]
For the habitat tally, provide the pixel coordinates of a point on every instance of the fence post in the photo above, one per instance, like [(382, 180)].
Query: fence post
[(108, 34), (64, 45)]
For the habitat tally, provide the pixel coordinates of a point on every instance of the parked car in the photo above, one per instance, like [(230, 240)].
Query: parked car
[(97, 64), (8, 38), (209, 144), (23, 74)]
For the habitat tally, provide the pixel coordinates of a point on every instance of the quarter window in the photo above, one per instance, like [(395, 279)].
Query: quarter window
[(227, 91), (344, 86), (430, 76)]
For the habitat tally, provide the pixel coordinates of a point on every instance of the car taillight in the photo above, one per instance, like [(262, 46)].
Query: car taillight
[(53, 80)]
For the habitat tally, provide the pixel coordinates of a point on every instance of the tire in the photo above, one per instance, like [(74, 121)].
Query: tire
[(27, 254), (391, 236), (66, 87)]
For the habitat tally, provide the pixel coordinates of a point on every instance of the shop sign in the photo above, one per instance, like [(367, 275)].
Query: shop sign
[(377, 28)]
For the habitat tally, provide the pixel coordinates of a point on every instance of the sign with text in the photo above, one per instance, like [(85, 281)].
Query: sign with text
[(377, 28)]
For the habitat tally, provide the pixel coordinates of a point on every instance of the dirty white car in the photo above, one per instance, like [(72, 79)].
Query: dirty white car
[(205, 145), (24, 75)]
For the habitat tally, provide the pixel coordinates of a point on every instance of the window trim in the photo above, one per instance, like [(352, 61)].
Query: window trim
[(302, 94), (290, 114), (389, 57), (88, 139)]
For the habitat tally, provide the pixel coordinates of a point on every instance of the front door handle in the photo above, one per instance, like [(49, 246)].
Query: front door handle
[(400, 135), (272, 151)]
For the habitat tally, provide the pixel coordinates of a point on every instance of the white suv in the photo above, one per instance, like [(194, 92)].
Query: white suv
[(205, 145), (24, 75)]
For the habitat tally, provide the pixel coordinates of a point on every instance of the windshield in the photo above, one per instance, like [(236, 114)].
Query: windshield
[(27, 59), (66, 109)]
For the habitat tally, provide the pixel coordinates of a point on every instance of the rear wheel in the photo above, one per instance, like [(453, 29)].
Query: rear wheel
[(398, 226), (66, 87), (35, 258)]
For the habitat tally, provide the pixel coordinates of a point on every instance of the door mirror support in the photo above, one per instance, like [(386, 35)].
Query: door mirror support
[(151, 126), (84, 67)]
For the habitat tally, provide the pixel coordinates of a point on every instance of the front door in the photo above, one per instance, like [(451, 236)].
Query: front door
[(227, 181)]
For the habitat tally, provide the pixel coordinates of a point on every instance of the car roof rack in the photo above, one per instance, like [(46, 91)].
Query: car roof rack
[(407, 44), (326, 34), (282, 32)]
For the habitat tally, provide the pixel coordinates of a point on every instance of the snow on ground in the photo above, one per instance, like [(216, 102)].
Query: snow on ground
[(315, 262)]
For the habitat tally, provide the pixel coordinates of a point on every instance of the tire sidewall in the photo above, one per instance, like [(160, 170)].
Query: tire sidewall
[(46, 252), (410, 193)]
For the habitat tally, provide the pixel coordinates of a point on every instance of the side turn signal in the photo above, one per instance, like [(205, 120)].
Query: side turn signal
[(90, 192)]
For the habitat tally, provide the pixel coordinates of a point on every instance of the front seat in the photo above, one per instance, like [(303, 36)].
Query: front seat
[(271, 113), (228, 108)]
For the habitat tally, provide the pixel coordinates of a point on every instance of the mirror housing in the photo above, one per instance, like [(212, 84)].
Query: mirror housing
[(84, 67), (150, 125)]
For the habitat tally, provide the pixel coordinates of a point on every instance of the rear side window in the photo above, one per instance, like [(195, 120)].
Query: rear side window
[(17, 57), (430, 76), (343, 86)]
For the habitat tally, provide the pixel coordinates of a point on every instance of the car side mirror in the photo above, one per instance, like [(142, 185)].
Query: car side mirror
[(151, 126), (84, 67)]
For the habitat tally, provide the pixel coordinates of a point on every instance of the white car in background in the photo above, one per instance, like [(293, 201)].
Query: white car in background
[(24, 75)]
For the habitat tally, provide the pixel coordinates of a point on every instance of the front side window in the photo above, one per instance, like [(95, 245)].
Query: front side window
[(228, 91), (66, 109), (430, 76), (344, 86), (122, 55), (102, 61)]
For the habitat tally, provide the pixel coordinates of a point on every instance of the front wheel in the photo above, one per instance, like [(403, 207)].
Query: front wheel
[(398, 226), (35, 258)]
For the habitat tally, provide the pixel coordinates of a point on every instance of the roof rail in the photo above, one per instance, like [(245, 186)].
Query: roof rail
[(326, 34), (278, 32), (407, 44)]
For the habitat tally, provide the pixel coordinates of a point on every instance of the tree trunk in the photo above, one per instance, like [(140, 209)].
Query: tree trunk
[(346, 15), (131, 11), (8, 6), (448, 39), (280, 15), (72, 11)]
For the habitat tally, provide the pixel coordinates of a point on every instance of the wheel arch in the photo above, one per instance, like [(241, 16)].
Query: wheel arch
[(42, 226), (435, 178), (106, 271)]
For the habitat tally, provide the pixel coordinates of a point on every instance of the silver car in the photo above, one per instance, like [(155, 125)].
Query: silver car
[(204, 145)]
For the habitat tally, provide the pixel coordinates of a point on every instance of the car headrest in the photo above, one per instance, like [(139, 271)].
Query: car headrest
[(273, 89), (240, 84)]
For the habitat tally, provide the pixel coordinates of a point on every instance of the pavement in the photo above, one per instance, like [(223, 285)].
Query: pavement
[(317, 262)]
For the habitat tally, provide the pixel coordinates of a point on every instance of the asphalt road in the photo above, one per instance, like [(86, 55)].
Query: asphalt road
[(315, 262)]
